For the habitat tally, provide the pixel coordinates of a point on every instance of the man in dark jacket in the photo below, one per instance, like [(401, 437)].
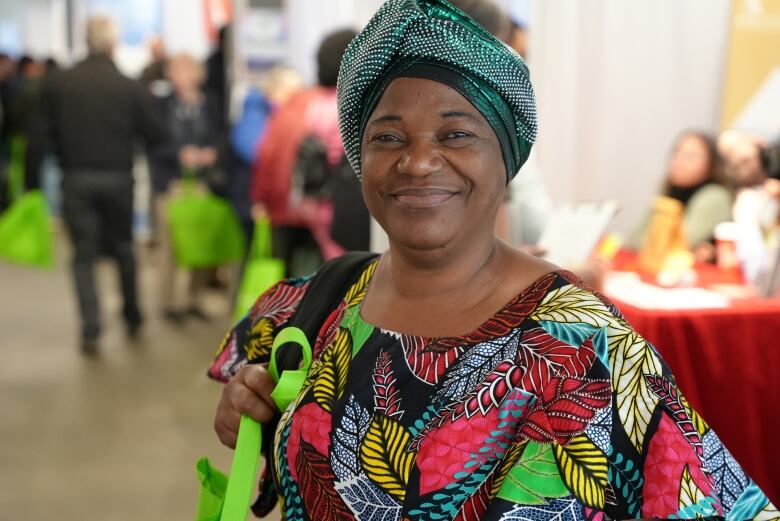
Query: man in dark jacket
[(95, 116)]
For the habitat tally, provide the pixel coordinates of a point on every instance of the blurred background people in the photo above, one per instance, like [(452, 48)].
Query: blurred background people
[(745, 156), (96, 115), (41, 160), (605, 105), (302, 222), (19, 87), (754, 167), (489, 15), (273, 90), (695, 178), (217, 73), (529, 206), (518, 38), (7, 71), (155, 70), (28, 122), (193, 124)]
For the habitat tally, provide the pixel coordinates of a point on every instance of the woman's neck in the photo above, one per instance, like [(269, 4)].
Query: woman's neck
[(189, 96), (437, 294), (684, 193), (443, 273)]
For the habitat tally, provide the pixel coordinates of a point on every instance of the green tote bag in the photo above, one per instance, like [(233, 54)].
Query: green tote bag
[(229, 499), (26, 237), (205, 231), (25, 232), (260, 272)]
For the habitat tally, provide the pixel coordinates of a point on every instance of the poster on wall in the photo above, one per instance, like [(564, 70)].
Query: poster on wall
[(261, 36), (751, 94)]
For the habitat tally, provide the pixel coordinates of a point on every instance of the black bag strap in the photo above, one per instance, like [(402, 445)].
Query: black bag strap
[(323, 295)]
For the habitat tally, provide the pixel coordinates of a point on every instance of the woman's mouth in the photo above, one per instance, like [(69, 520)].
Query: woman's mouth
[(419, 198)]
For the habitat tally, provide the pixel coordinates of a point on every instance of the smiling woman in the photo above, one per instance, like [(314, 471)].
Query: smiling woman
[(432, 167), (458, 378)]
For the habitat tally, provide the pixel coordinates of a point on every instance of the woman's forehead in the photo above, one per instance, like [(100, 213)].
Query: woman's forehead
[(405, 94)]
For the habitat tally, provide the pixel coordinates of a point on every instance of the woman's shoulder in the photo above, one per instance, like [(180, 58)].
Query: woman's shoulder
[(281, 300), (714, 193), (709, 205), (526, 272), (547, 302), (251, 339), (565, 298)]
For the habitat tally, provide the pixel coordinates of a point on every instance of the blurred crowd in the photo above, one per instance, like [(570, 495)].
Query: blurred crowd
[(281, 161), (80, 131)]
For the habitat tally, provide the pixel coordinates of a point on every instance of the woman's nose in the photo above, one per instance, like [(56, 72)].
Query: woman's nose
[(420, 157)]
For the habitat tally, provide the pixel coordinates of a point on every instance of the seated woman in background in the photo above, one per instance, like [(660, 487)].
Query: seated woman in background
[(695, 178)]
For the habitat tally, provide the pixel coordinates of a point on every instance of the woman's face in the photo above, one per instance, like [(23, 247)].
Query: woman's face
[(433, 173), (690, 162)]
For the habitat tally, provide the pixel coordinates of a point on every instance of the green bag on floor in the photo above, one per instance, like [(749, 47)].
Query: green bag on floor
[(204, 229), (25, 232), (223, 499), (26, 237), (260, 272)]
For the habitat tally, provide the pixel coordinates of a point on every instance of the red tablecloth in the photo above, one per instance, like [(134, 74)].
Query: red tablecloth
[(727, 363)]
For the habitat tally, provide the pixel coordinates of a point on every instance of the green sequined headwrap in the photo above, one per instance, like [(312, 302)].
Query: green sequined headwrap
[(408, 37)]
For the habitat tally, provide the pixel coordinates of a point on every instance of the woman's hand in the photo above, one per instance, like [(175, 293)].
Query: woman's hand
[(189, 156), (248, 392), (207, 156), (259, 211)]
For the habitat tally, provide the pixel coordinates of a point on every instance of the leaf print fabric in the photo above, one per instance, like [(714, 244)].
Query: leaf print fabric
[(535, 477), (352, 428), (553, 409), (317, 485), (384, 457), (584, 470), (368, 502)]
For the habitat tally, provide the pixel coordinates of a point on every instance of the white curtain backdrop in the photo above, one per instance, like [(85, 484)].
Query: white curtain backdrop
[(311, 20), (616, 81)]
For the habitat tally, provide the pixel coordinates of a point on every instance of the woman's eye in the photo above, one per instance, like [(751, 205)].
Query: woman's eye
[(457, 134), (385, 138)]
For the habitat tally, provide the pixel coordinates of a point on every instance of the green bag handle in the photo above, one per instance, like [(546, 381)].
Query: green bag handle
[(189, 180), (261, 240), (16, 167), (243, 471), (290, 382)]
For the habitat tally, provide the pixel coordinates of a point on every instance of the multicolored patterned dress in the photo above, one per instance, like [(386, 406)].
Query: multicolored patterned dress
[(554, 408)]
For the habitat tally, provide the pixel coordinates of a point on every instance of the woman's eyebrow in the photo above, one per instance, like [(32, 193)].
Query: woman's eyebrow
[(448, 114), (386, 117), (457, 114)]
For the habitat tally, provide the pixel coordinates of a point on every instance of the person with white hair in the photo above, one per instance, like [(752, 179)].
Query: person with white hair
[(102, 35), (95, 116)]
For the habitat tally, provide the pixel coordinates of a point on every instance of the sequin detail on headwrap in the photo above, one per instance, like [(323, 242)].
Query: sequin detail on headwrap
[(436, 32), (490, 104)]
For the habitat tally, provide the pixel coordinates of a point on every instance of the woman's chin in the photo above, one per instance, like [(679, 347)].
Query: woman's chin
[(422, 241)]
